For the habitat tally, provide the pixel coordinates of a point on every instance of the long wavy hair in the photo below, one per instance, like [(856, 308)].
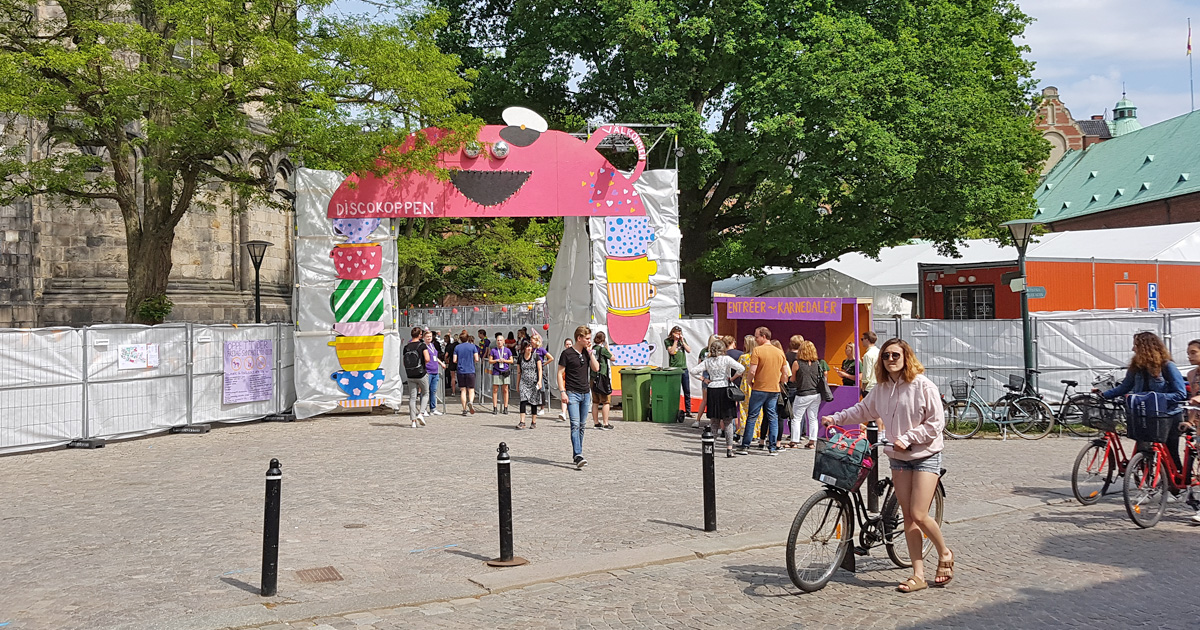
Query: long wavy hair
[(912, 367), (1149, 353)]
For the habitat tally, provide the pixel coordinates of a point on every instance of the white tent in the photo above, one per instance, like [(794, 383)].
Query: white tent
[(813, 283)]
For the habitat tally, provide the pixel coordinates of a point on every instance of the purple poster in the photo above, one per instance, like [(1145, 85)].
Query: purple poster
[(812, 309), (249, 371)]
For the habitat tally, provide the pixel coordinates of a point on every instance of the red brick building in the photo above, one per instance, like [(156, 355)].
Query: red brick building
[(1063, 132)]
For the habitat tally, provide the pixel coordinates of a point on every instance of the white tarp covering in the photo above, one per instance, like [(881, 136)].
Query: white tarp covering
[(316, 280), (41, 387), (140, 401), (657, 189)]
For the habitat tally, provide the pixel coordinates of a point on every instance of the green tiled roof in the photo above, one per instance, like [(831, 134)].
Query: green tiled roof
[(1153, 163)]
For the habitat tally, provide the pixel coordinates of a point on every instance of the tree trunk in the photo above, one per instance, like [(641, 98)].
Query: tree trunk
[(697, 291), (149, 270)]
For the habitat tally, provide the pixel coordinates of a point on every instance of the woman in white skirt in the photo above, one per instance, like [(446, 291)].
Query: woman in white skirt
[(721, 369)]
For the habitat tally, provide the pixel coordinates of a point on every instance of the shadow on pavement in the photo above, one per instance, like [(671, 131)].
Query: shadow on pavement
[(467, 554), (249, 588), (543, 462), (660, 522)]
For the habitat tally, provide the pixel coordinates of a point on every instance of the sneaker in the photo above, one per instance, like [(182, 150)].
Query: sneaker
[(438, 412), (597, 426), (421, 419), (606, 427), (762, 446), (741, 450), (729, 453), (494, 412), (464, 412), (772, 453), (696, 424), (580, 462), (414, 424), (1196, 517)]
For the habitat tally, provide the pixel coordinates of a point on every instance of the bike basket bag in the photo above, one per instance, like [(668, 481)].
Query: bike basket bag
[(960, 389), (1100, 416), (841, 462)]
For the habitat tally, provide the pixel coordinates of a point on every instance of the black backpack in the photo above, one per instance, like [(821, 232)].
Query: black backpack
[(414, 360)]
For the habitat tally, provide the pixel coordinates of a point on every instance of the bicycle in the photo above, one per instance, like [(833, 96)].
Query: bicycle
[(824, 527), (1151, 474), (1029, 416), (1102, 460), (1071, 406)]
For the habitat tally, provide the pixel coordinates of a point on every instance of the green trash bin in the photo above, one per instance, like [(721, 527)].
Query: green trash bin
[(635, 393), (665, 385)]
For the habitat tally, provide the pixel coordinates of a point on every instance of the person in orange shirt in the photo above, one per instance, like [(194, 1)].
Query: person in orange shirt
[(767, 373)]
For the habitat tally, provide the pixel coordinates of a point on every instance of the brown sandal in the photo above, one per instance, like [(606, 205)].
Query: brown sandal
[(947, 566), (912, 585)]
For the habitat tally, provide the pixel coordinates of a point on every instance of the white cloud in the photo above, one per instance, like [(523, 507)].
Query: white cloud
[(1088, 48)]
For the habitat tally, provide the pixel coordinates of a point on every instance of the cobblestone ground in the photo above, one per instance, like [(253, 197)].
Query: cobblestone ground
[(1064, 566), (168, 527)]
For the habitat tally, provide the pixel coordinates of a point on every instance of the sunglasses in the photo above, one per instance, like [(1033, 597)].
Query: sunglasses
[(891, 356)]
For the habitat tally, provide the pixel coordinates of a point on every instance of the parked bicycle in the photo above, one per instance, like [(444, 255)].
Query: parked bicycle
[(1073, 403), (1029, 416), (1151, 474), (822, 533), (1102, 461)]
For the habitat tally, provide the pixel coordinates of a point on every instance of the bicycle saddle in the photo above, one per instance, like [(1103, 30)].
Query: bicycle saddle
[(1070, 383)]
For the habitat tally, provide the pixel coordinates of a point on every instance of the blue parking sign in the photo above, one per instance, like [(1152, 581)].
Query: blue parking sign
[(1152, 295)]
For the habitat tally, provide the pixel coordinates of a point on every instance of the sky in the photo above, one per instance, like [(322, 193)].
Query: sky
[(1087, 48)]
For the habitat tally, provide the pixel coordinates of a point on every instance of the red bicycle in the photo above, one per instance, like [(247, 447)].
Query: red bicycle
[(1151, 474), (1102, 460)]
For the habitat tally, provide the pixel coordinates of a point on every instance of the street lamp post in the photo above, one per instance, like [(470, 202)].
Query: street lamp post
[(1021, 231), (257, 250)]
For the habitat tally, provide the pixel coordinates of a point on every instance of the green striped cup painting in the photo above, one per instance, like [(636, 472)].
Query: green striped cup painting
[(358, 300)]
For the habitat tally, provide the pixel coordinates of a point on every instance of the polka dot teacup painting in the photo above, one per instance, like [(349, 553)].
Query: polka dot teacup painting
[(627, 236), (356, 230), (632, 354)]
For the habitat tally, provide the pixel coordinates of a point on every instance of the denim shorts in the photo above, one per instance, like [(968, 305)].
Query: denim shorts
[(930, 464)]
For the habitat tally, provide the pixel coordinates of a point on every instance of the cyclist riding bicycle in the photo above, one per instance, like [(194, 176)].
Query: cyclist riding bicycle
[(1152, 370)]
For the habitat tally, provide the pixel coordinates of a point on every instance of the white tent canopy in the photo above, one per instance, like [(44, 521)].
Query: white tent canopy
[(896, 269)]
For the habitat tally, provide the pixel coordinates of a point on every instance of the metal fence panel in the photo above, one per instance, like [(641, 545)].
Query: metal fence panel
[(130, 402), (41, 388), (208, 373)]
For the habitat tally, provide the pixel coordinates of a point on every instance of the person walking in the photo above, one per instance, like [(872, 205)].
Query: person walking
[(910, 407), (677, 351), (466, 357), (562, 413), (870, 359), (529, 383), (807, 375), (452, 365), (415, 358), (701, 356), (575, 366), (716, 371), (433, 368), (546, 358), (500, 357), (1152, 370), (601, 381), (767, 373)]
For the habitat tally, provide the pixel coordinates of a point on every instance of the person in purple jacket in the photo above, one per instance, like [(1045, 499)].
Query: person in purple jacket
[(910, 407)]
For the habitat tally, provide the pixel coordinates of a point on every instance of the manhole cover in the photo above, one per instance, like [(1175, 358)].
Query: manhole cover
[(354, 525), (320, 574)]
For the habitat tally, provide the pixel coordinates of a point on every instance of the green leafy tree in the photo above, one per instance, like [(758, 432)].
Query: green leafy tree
[(142, 99), (495, 261), (811, 128)]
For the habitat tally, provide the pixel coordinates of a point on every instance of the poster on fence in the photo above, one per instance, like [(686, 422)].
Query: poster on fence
[(249, 371)]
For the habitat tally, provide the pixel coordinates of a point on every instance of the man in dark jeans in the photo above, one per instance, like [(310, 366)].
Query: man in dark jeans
[(575, 366)]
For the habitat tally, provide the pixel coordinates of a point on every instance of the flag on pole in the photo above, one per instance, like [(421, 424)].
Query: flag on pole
[(1189, 37)]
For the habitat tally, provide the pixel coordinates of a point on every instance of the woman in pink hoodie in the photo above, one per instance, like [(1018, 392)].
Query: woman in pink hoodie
[(910, 408)]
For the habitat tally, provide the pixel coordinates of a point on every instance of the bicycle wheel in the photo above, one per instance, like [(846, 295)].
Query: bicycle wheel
[(963, 419), (893, 528), (1145, 489), (1030, 417), (819, 540), (1094, 472), (1071, 416)]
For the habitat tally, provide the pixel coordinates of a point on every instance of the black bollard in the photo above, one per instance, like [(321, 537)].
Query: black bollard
[(504, 484), (270, 563), (873, 474), (710, 484)]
